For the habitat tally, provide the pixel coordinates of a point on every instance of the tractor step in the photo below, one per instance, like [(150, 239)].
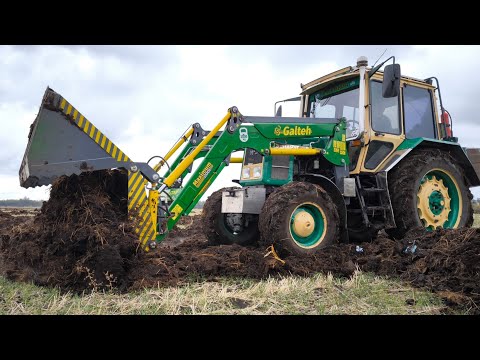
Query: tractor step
[(376, 204)]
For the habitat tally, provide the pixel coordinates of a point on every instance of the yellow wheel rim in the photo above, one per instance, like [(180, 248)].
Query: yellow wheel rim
[(436, 207)]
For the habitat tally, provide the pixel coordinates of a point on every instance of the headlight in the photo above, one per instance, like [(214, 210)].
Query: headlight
[(257, 172), (246, 173)]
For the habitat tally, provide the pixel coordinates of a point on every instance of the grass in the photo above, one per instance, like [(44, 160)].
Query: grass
[(476, 220), (319, 294)]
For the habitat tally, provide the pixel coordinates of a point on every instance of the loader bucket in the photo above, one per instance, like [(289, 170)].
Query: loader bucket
[(63, 142)]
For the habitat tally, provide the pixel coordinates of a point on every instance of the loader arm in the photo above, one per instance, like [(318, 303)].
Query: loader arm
[(258, 133), (63, 142), (185, 152)]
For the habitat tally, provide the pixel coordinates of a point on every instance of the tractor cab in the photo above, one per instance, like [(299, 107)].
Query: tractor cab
[(380, 116)]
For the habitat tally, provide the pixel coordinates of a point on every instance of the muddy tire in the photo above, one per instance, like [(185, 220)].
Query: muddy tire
[(299, 218), (428, 189), (216, 228)]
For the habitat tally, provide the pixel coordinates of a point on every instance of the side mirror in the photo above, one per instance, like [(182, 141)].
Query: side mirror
[(279, 111), (391, 81)]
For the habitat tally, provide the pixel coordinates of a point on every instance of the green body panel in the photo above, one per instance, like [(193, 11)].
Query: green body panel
[(335, 149), (266, 179), (298, 130), (186, 149), (211, 180), (412, 143), (409, 144), (336, 88), (259, 138), (454, 148), (267, 174), (335, 146)]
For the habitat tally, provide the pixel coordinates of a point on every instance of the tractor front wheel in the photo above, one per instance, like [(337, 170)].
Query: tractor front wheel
[(299, 218), (227, 229)]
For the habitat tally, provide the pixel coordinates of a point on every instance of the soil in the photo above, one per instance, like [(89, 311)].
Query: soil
[(79, 240), (82, 240), (9, 221)]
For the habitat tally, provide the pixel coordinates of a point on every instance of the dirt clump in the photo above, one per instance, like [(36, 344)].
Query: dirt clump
[(188, 227), (81, 238), (4, 215), (24, 211), (448, 261), (8, 221)]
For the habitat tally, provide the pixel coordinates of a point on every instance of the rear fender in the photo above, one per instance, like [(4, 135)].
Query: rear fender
[(469, 159)]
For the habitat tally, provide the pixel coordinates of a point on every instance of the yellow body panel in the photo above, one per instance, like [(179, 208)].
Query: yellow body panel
[(236, 160), (294, 151)]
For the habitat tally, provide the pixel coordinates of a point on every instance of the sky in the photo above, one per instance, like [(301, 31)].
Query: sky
[(144, 97)]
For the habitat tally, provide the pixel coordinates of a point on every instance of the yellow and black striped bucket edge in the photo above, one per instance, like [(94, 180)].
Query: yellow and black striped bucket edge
[(138, 206)]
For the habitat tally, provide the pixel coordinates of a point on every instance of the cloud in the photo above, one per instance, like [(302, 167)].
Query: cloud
[(15, 118), (11, 190), (144, 97)]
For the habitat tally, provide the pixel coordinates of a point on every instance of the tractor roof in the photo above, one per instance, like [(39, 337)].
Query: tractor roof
[(347, 72)]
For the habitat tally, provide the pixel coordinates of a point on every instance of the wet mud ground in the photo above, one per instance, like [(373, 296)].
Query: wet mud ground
[(81, 240)]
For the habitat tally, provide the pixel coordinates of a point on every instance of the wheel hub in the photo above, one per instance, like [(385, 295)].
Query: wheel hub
[(303, 224), (308, 225), (433, 202), (235, 222)]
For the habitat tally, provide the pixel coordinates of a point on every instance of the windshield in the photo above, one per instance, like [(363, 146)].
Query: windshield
[(336, 101)]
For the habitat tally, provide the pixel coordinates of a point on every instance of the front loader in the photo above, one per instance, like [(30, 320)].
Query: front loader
[(370, 150)]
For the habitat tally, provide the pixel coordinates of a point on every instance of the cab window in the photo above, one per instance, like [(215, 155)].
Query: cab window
[(337, 100), (417, 107), (385, 117)]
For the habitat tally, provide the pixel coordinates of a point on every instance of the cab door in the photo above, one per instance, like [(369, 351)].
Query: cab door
[(419, 112), (385, 131)]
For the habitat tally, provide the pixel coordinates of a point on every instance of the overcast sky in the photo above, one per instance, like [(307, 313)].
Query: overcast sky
[(144, 97)]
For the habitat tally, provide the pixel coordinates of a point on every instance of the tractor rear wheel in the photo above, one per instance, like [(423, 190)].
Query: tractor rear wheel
[(227, 229), (429, 189), (299, 218)]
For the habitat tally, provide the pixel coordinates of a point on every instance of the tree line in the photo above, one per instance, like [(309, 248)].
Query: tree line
[(25, 202)]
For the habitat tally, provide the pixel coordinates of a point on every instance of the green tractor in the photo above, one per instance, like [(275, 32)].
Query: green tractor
[(370, 150)]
